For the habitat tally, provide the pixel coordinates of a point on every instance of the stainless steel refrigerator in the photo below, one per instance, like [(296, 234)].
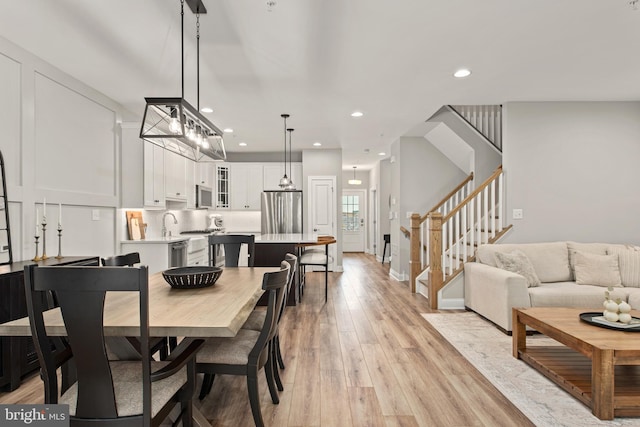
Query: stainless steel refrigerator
[(281, 212)]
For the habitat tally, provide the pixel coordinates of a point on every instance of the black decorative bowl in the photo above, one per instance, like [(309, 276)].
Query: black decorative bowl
[(192, 277)]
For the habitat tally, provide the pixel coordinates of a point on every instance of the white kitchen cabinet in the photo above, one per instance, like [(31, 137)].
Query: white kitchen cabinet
[(153, 190), (274, 171), (222, 186), (246, 186), (191, 183), (205, 174), (175, 176)]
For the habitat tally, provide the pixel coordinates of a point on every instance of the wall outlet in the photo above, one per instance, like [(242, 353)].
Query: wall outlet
[(517, 214), (95, 214), (409, 214)]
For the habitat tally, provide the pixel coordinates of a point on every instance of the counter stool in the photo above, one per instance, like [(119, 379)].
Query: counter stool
[(315, 256), (387, 240)]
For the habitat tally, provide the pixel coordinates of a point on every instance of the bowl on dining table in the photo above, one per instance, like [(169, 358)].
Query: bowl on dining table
[(192, 277)]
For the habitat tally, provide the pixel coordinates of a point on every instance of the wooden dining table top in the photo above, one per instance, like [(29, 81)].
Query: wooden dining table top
[(216, 311)]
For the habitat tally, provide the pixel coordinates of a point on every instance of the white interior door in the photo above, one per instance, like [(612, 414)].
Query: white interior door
[(323, 209), (354, 206)]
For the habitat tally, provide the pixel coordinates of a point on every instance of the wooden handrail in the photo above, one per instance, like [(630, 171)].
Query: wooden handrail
[(404, 231), (447, 197), (473, 194)]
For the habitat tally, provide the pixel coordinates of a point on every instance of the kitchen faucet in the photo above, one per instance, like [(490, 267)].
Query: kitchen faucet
[(164, 226)]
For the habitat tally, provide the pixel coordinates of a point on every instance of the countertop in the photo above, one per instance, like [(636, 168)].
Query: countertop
[(287, 238), (158, 240)]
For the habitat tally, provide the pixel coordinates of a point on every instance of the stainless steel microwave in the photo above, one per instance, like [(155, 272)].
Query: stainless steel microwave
[(204, 197)]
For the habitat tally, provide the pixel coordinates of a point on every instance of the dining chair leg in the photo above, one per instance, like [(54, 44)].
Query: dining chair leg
[(326, 281), (274, 357), (254, 398), (279, 353), (268, 372), (207, 384)]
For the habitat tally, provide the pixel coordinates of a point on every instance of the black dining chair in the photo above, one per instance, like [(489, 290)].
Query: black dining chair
[(255, 321), (232, 244), (249, 351), (139, 392), (158, 344)]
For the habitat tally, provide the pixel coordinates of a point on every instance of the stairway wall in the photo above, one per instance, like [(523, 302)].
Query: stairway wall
[(420, 177), (486, 158), (573, 169)]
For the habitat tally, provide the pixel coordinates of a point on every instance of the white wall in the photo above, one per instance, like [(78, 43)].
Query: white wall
[(60, 142), (421, 176), (325, 163), (573, 169)]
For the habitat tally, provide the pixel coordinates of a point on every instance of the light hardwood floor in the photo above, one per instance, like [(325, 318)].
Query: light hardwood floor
[(365, 358)]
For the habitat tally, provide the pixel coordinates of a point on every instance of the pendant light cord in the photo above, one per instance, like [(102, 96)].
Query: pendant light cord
[(198, 57), (182, 42)]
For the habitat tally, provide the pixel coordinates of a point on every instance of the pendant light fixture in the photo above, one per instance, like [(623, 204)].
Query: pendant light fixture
[(177, 126), (284, 181), (291, 185), (354, 181)]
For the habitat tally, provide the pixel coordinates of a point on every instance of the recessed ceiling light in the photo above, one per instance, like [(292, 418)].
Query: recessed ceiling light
[(206, 110), (242, 144), (357, 114), (382, 153), (463, 72), (228, 130), (317, 144)]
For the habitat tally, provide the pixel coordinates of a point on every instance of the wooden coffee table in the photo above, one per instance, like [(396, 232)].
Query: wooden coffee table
[(600, 367)]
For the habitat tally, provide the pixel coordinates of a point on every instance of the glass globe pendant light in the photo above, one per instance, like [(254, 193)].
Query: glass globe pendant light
[(291, 185), (284, 181)]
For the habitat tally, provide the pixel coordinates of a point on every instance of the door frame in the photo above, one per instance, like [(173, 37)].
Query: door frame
[(363, 214)]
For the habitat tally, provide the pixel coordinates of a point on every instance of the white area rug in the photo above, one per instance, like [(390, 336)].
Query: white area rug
[(489, 350)]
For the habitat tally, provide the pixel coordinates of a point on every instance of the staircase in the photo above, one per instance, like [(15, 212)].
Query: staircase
[(485, 119), (447, 236)]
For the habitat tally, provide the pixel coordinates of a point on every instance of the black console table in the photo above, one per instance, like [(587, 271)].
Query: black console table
[(17, 354)]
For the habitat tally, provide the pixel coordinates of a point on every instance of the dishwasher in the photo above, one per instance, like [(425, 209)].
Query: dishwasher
[(178, 254)]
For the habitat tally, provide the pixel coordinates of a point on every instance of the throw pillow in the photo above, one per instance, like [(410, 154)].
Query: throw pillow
[(598, 270), (629, 262), (517, 262)]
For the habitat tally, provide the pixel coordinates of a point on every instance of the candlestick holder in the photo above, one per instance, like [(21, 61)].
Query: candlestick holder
[(59, 241), (36, 258), (44, 238)]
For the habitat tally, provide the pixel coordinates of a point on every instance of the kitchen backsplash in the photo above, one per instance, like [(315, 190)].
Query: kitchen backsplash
[(196, 219)]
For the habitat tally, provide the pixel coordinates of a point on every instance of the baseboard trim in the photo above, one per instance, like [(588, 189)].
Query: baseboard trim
[(397, 276)]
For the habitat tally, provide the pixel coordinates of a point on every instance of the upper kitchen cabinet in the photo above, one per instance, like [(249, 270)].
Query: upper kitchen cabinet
[(274, 171), (175, 176), (222, 186), (246, 186), (153, 176), (205, 174)]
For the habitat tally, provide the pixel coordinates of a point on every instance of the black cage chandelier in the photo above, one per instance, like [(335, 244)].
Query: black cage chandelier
[(177, 126)]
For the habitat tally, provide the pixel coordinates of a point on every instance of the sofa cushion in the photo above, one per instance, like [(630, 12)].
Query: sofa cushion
[(568, 294), (591, 248), (634, 297), (629, 262), (550, 260), (517, 262), (597, 270)]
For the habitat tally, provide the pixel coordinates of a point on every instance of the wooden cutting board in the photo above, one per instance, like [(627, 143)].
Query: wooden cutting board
[(135, 225)]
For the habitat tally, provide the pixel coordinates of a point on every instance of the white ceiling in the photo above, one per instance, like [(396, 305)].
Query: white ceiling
[(319, 60)]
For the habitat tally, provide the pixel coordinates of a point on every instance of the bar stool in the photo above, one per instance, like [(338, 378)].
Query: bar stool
[(387, 240), (309, 255)]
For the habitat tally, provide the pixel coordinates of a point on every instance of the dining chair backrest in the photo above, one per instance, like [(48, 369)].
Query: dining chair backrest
[(293, 262), (80, 292), (122, 260), (275, 284), (232, 244)]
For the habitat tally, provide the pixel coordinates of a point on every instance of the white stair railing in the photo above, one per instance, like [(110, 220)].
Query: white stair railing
[(486, 119)]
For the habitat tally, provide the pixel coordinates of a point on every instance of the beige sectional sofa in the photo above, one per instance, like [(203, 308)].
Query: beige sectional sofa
[(554, 274)]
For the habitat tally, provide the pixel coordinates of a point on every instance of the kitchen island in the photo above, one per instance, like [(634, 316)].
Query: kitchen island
[(271, 249)]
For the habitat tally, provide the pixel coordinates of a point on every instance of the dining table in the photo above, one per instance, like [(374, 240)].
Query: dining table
[(215, 311)]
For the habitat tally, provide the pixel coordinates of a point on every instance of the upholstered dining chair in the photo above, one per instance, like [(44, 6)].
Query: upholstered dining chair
[(257, 316), (158, 344), (232, 244), (314, 255), (248, 352), (140, 392)]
